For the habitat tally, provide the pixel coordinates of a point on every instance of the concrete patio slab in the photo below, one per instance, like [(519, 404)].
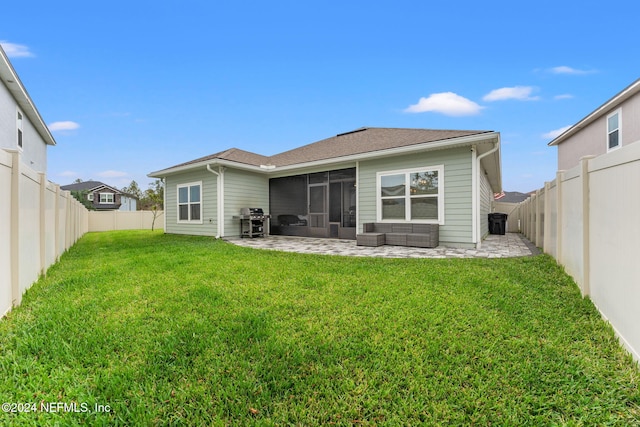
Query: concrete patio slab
[(494, 246)]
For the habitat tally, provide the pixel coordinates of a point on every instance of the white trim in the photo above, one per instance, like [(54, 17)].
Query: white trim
[(106, 202), (407, 196), (221, 201), (188, 185), (618, 99), (474, 196), (619, 129), (478, 160), (370, 155), (357, 197)]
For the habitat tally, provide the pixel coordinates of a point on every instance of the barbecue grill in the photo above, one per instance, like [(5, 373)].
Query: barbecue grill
[(252, 222)]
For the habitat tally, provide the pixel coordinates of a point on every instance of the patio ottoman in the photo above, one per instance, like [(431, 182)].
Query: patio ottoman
[(370, 239)]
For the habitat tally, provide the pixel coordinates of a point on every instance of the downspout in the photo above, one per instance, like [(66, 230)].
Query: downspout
[(478, 237), (219, 199), (164, 203)]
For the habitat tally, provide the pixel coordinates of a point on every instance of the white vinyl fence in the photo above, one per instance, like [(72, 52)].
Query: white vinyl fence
[(125, 220), (588, 219), (38, 222)]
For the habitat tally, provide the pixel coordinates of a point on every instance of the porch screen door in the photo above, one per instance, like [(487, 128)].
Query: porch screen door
[(318, 212)]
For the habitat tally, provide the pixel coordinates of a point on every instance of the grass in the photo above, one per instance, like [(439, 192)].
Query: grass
[(183, 330)]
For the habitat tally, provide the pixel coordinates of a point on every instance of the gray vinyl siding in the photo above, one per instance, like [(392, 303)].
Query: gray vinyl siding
[(457, 229), (209, 203), (486, 199), (243, 190)]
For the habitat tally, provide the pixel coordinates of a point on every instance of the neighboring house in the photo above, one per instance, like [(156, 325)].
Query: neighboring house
[(614, 124), (331, 187), (511, 197), (21, 126), (104, 197)]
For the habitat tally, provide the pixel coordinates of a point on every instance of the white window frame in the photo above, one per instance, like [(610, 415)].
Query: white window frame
[(90, 197), (189, 203), (619, 129), (19, 129), (106, 201), (407, 196)]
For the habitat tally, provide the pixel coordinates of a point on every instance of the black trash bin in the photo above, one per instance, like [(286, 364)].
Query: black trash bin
[(497, 223)]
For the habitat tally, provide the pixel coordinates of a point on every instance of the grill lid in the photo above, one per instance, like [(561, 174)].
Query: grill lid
[(252, 211)]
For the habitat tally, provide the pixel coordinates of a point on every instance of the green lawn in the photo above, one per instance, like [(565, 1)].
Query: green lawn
[(179, 330)]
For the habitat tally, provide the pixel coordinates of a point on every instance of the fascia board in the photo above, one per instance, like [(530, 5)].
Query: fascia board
[(428, 146), (12, 82), (214, 162), (625, 94)]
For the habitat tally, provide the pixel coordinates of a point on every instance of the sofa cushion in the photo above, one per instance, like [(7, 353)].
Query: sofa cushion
[(397, 239)]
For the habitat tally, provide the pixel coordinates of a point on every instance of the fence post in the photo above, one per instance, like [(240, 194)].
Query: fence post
[(16, 297), (586, 258), (559, 215), (56, 225), (43, 223), (546, 232), (536, 230)]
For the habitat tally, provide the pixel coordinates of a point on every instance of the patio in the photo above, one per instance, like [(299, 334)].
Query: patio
[(494, 246)]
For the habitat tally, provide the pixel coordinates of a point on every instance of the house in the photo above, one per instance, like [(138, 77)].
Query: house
[(21, 126), (511, 197), (330, 188), (103, 197), (614, 124)]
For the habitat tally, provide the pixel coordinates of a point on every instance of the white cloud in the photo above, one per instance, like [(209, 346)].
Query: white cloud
[(112, 174), (555, 133), (447, 103), (68, 173), (563, 69), (521, 93), (68, 125), (14, 50), (563, 96)]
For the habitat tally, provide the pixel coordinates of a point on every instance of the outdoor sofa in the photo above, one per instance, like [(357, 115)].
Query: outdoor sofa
[(399, 234)]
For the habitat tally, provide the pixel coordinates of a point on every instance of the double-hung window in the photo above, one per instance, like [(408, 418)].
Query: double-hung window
[(614, 123), (19, 126), (107, 198), (415, 195), (190, 202)]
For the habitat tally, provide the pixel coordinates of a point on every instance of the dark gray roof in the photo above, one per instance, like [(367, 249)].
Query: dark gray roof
[(87, 185), (513, 197), (359, 141)]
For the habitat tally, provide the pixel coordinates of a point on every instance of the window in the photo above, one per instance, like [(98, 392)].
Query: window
[(107, 198), (411, 195), (90, 197), (19, 126), (189, 202), (613, 130)]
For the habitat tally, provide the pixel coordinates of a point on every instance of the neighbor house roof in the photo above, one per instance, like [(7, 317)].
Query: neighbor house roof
[(88, 186), (512, 197), (625, 94), (357, 142), (11, 80)]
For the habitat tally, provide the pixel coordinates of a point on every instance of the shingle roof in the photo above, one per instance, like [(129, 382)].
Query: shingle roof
[(359, 141), (85, 185)]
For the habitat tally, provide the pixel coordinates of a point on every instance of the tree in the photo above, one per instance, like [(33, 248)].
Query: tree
[(133, 189), (82, 197), (153, 199)]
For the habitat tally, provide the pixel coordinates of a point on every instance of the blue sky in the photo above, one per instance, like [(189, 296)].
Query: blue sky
[(130, 87)]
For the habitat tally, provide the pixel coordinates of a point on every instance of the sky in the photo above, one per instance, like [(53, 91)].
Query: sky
[(131, 87)]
